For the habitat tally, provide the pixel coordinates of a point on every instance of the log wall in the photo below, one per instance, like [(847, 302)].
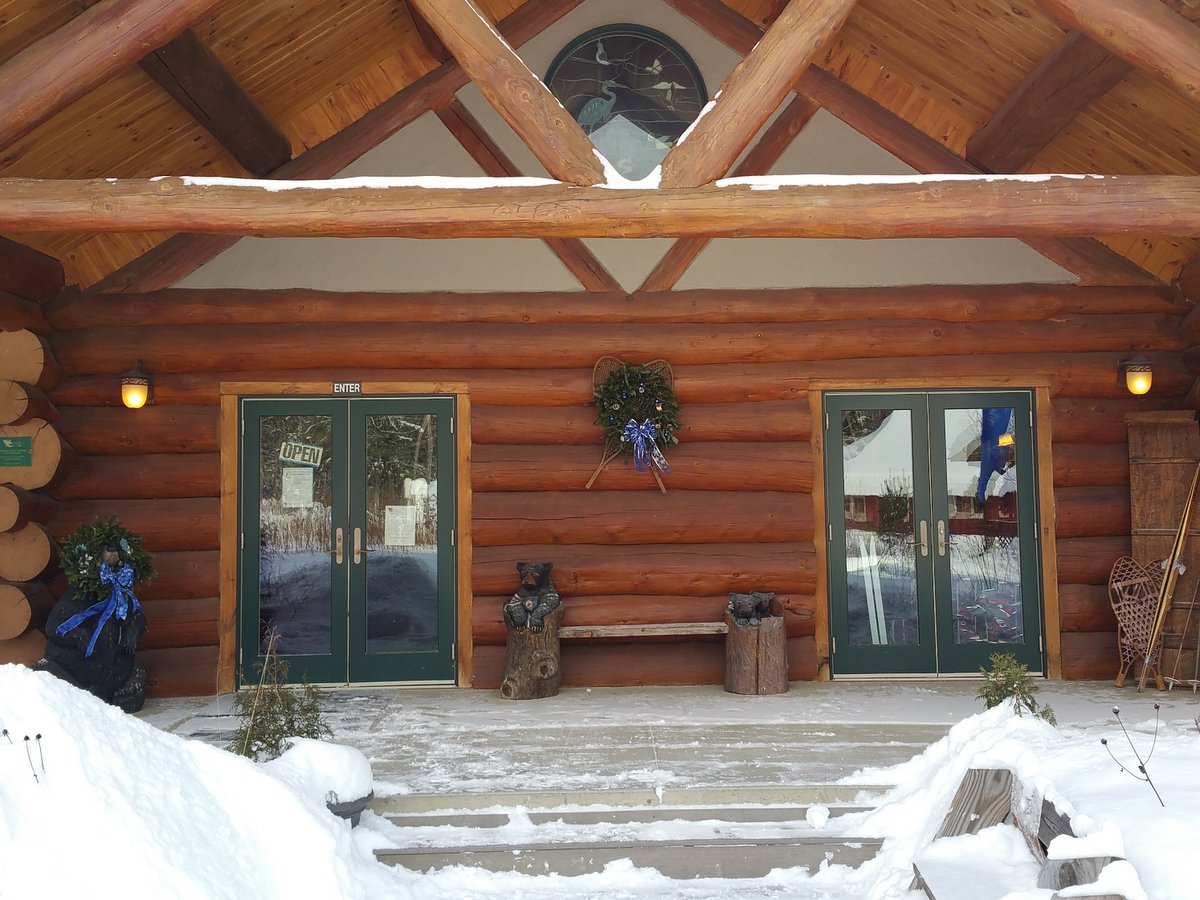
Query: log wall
[(739, 512)]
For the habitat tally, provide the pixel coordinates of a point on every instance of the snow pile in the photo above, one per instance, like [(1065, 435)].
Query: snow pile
[(110, 806)]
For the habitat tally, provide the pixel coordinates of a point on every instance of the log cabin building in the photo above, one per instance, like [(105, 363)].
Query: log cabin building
[(368, 256)]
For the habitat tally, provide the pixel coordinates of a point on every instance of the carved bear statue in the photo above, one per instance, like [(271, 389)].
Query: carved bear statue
[(535, 599), (750, 609)]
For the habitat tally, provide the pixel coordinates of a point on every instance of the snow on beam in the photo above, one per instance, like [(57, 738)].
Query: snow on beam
[(806, 206)]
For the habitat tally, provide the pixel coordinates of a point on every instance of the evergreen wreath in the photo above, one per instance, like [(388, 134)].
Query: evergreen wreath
[(83, 551), (635, 393), (636, 407)]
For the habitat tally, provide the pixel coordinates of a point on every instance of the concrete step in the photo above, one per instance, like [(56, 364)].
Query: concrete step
[(636, 815), (712, 858)]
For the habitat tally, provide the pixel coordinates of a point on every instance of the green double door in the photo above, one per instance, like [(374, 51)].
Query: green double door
[(933, 556), (347, 538)]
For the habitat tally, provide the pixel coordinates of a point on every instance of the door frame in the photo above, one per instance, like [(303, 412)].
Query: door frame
[(1040, 384), (229, 438)]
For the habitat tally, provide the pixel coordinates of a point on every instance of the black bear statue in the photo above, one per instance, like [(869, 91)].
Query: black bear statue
[(750, 609), (535, 599)]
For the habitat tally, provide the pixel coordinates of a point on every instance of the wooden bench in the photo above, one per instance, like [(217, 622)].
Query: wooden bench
[(669, 629)]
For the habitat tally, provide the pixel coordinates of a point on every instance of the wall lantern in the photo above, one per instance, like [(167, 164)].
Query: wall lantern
[(1138, 375), (136, 387)]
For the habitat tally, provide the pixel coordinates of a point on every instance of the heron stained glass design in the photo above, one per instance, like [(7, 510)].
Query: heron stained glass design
[(632, 89)]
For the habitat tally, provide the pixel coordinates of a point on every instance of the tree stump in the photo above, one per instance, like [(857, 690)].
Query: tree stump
[(531, 661), (756, 655)]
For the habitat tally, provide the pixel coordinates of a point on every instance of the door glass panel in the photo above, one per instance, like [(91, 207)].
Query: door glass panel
[(295, 533), (881, 576), (982, 542), (401, 533)]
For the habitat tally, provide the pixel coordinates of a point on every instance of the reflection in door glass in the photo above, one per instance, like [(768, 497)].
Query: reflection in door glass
[(981, 539), (294, 513), (881, 579), (402, 534)]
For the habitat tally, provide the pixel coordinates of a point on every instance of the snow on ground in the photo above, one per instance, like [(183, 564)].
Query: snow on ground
[(106, 805)]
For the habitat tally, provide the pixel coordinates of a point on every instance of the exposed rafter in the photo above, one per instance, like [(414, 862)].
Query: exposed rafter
[(1145, 33), (765, 153), (183, 253), (1090, 260), (94, 46), (520, 97), (753, 91), (429, 40), (897, 207), (475, 140), (1076, 73)]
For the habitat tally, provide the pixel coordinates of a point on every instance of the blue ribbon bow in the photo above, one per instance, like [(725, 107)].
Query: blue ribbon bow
[(642, 438), (117, 603)]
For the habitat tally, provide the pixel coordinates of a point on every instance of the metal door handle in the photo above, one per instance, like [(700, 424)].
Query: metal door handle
[(337, 546), (924, 539), (359, 549), (943, 543)]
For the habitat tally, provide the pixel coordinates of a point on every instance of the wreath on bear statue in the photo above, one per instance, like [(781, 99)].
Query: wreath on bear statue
[(103, 542), (636, 407)]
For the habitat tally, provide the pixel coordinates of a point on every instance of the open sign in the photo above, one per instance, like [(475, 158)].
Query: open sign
[(298, 454)]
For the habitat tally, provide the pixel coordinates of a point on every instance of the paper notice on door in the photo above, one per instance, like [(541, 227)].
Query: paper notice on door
[(400, 526), (297, 487)]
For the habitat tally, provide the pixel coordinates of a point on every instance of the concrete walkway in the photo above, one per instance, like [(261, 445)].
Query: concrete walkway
[(437, 740)]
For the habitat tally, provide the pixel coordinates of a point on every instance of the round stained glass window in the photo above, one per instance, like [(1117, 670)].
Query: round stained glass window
[(632, 89)]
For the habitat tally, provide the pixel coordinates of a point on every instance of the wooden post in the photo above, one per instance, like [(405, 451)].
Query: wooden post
[(531, 661), (756, 655)]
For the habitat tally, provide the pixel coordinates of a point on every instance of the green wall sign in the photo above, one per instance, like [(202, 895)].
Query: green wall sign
[(16, 452)]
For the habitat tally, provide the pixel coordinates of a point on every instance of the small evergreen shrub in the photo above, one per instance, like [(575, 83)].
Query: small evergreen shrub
[(274, 711), (1010, 680)]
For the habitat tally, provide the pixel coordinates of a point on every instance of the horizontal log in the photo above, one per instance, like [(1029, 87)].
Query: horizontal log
[(182, 575), (1095, 420), (946, 303), (188, 622), (180, 671), (639, 517), (771, 421), (197, 348), (1088, 560), (52, 456), (18, 312), (1076, 465), (1091, 511), (695, 466), (488, 629), (26, 553), (892, 207), (18, 507), (1076, 374), (21, 402), (179, 524), (141, 477), (24, 650), (23, 605), (691, 569), (1090, 656), (1085, 607), (152, 429), (627, 664), (26, 356)]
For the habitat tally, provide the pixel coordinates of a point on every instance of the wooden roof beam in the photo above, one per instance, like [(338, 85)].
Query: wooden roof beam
[(1085, 257), (518, 95), (1088, 259), (429, 40), (181, 254), (1047, 101), (1147, 34), (191, 73), (578, 259), (764, 154), (29, 273), (1021, 206), (94, 46), (752, 91)]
